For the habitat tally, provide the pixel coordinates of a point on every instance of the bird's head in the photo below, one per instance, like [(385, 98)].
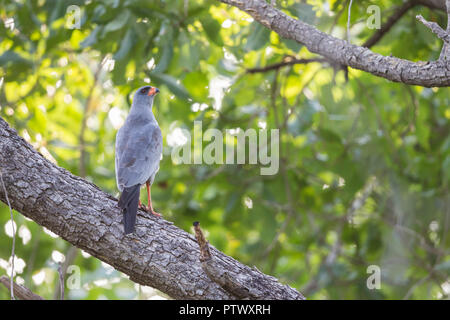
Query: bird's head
[(144, 96)]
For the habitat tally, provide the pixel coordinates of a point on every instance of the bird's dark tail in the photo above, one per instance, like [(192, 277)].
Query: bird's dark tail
[(128, 202)]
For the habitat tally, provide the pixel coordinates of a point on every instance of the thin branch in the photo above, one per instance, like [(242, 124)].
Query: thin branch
[(435, 28), (442, 34), (369, 43), (348, 20), (393, 19), (205, 254), (287, 61), (70, 255), (414, 109), (186, 8), (22, 292), (13, 250), (61, 281)]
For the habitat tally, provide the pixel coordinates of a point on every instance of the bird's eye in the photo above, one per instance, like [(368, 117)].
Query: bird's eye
[(144, 90)]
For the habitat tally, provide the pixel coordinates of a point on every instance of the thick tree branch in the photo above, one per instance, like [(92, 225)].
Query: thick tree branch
[(158, 254), (430, 74), (369, 43), (20, 291)]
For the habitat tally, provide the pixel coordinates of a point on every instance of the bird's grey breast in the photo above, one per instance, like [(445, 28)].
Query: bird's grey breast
[(138, 152)]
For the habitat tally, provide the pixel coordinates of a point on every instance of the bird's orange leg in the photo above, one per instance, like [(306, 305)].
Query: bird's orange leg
[(150, 207)]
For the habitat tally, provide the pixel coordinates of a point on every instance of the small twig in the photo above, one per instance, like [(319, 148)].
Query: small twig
[(70, 255), (288, 61), (205, 254), (61, 281), (348, 19), (13, 250), (415, 285), (23, 293), (216, 272), (186, 7), (435, 28)]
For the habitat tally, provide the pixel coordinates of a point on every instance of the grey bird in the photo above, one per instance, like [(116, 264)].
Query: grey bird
[(138, 153)]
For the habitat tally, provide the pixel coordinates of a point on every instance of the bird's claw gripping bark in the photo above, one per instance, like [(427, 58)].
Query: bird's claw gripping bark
[(155, 213), (149, 210)]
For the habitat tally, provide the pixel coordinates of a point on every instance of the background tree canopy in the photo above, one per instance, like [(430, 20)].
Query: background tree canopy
[(364, 162)]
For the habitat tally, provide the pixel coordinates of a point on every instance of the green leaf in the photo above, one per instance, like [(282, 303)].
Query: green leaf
[(212, 29), (58, 10), (98, 13), (197, 83), (92, 38), (177, 88), (258, 37), (128, 41), (167, 52), (12, 57), (329, 136), (443, 266), (303, 12), (446, 168), (118, 23), (292, 44), (17, 64)]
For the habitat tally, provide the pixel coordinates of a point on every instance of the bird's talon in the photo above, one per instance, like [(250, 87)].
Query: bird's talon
[(155, 213)]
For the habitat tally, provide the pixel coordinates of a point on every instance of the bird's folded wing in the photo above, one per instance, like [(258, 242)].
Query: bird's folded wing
[(138, 152)]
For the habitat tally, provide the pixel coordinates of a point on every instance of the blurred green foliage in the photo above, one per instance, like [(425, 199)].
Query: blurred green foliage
[(365, 163)]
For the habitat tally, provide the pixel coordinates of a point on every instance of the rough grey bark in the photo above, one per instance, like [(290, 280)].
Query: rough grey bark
[(158, 254), (427, 74)]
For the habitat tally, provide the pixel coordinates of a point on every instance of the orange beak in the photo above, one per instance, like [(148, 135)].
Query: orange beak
[(153, 91)]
